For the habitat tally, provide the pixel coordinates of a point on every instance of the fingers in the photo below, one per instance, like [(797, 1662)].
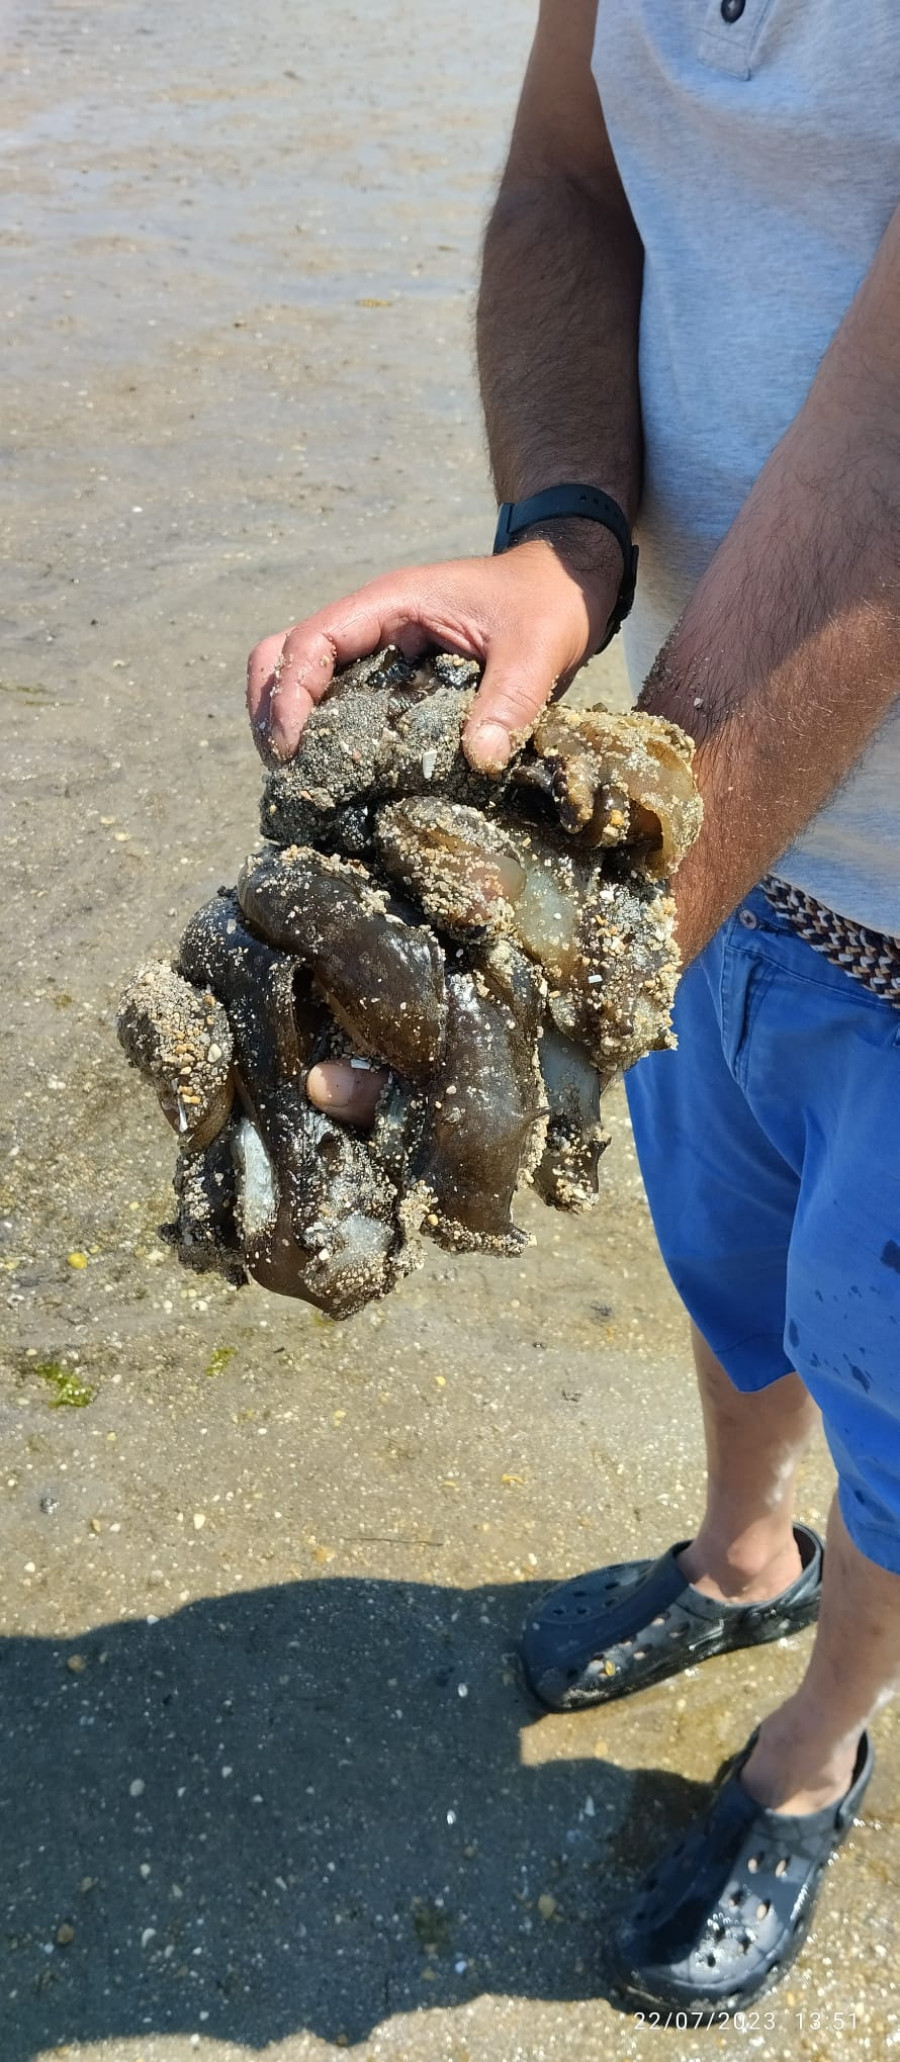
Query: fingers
[(345, 1091), (260, 668), (288, 675), (263, 670)]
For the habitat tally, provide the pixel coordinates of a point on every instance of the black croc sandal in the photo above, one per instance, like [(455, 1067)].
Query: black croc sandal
[(623, 1628), (727, 1909)]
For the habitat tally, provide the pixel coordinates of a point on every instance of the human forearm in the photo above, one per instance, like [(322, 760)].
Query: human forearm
[(787, 657), (559, 306), (557, 340)]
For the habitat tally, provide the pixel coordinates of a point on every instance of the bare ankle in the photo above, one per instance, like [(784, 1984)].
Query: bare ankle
[(748, 1569), (794, 1766)]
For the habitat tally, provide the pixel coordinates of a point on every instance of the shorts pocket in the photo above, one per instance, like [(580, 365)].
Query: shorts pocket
[(745, 981)]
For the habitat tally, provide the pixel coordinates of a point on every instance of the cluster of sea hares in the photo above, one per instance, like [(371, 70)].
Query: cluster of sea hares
[(500, 947)]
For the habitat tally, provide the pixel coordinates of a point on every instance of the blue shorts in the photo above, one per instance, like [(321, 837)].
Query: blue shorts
[(769, 1144)]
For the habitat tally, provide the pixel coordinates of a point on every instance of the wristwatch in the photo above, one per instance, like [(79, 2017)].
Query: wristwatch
[(571, 500)]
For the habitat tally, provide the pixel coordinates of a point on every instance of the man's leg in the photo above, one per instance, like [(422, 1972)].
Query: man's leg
[(806, 1750), (817, 1061), (745, 1548)]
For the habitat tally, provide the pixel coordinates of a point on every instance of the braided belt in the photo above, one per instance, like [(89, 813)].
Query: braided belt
[(868, 955)]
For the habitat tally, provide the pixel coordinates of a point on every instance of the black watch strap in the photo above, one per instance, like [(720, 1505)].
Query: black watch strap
[(569, 499)]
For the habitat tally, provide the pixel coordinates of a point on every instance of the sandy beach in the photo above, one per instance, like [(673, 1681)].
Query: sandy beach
[(270, 1784)]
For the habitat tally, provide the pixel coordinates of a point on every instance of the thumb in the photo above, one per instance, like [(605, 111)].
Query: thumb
[(518, 682), (346, 1091)]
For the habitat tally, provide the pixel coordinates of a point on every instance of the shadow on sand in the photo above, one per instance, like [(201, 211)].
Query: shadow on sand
[(304, 1808)]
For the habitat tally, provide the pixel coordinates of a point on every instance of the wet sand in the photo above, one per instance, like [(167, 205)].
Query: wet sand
[(271, 1785)]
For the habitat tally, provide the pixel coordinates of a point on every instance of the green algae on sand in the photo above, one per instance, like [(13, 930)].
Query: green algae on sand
[(219, 1359), (71, 1392)]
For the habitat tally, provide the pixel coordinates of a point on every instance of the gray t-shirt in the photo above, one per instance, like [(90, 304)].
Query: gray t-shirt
[(761, 159)]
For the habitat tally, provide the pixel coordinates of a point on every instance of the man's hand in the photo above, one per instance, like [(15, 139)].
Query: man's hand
[(531, 616)]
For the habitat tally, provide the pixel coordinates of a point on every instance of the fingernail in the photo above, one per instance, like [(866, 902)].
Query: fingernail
[(267, 751), (487, 745), (276, 746)]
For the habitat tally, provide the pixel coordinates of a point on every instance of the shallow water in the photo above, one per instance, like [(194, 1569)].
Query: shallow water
[(237, 355)]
